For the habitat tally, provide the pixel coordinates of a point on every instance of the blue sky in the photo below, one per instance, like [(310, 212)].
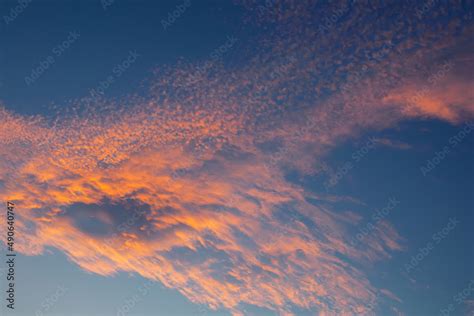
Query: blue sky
[(261, 142)]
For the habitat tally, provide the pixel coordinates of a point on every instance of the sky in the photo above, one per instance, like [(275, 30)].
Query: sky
[(238, 157)]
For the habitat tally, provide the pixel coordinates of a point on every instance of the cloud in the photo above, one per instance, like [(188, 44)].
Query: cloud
[(392, 143), (187, 185), (446, 94)]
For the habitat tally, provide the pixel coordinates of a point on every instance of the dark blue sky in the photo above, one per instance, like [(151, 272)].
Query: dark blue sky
[(87, 43), (105, 40)]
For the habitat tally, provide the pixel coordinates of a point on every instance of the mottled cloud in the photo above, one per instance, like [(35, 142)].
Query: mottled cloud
[(187, 185)]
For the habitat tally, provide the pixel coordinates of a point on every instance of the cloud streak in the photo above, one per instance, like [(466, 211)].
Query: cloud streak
[(175, 185)]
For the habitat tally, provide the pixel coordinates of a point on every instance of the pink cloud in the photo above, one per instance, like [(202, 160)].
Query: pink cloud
[(192, 153)]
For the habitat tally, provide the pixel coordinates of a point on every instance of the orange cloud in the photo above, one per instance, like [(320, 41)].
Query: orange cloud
[(187, 186), (445, 95), (212, 231)]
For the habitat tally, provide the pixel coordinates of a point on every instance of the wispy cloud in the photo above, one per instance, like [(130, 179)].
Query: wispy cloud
[(102, 187)]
